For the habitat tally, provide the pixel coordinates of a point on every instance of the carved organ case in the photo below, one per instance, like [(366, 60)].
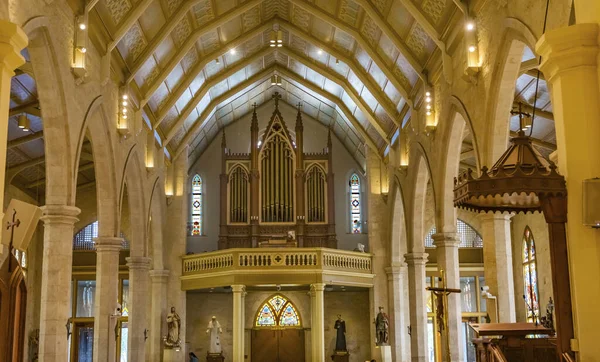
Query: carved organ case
[(277, 195)]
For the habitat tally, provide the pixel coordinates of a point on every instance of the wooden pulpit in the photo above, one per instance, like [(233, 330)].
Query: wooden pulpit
[(515, 342)]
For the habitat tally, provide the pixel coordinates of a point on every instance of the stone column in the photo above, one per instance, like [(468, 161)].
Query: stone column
[(447, 259), (498, 265), (238, 322), (571, 65), (138, 313), (56, 281), (107, 295), (12, 41), (317, 310), (158, 315), (398, 302), (418, 306)]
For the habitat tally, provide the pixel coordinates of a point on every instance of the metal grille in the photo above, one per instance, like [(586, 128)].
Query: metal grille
[(469, 238), (84, 239)]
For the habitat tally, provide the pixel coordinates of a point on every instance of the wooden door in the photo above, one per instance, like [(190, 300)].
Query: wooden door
[(264, 345), (291, 345)]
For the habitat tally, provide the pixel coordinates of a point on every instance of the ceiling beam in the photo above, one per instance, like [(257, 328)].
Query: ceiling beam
[(228, 72), (425, 24), (185, 48), (133, 16), (29, 108), (86, 184), (14, 170), (344, 84), (537, 142), (358, 70), (393, 36), (175, 19), (377, 59), (338, 102), (22, 140), (538, 112), (529, 65), (467, 154)]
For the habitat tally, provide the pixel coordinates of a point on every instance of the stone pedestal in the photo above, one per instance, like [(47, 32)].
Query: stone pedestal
[(339, 357), (211, 357), (386, 353), (173, 355)]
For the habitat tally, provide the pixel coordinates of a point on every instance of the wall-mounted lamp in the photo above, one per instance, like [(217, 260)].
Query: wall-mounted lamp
[(80, 47), (276, 39), (24, 123), (473, 62), (591, 202), (430, 122)]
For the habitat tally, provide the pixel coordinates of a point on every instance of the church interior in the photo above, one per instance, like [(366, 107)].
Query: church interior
[(300, 180)]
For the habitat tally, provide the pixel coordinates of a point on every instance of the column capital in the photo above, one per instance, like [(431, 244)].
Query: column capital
[(446, 240), (138, 262), (12, 41), (568, 47), (238, 288), (108, 243), (59, 214), (495, 216), (317, 287), (396, 269), (159, 276), (416, 258)]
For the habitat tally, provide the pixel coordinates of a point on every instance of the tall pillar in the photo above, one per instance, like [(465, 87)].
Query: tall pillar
[(418, 306), (159, 279), (317, 310), (498, 265), (107, 295), (571, 65), (138, 314), (12, 41), (239, 292), (398, 302), (446, 245), (56, 281), (177, 214)]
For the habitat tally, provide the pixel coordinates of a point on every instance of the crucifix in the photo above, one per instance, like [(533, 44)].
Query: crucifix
[(276, 96), (441, 310), (12, 225)]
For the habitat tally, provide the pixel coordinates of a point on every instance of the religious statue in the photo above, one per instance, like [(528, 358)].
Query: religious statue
[(34, 344), (382, 326), (174, 326), (340, 340), (214, 328), (548, 320)]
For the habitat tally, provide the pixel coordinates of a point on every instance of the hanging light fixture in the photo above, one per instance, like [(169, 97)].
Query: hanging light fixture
[(275, 79), (279, 38), (24, 122), (273, 40)]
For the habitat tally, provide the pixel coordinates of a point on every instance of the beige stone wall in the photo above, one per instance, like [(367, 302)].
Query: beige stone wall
[(354, 307), (539, 229), (201, 307)]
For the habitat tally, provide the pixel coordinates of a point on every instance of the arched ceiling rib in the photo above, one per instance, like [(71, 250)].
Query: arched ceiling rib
[(346, 51)]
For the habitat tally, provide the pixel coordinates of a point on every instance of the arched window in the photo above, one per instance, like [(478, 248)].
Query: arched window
[(197, 205), (355, 205), (277, 311), (530, 276), (469, 237)]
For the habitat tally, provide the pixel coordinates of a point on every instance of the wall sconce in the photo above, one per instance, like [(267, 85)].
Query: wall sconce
[(430, 122), (124, 113), (471, 46), (150, 151), (80, 48), (24, 123), (591, 202)]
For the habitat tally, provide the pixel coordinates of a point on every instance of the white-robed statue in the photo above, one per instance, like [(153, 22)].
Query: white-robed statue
[(214, 328)]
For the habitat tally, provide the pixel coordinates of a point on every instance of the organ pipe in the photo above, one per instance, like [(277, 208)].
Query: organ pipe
[(315, 194), (238, 196), (277, 180)]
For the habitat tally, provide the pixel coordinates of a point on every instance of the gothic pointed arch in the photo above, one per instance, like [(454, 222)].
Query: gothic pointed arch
[(530, 284), (277, 311)]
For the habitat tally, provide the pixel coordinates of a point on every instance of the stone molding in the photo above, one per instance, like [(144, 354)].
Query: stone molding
[(108, 243), (494, 216), (446, 240), (569, 47), (317, 287), (59, 214), (12, 40), (238, 288), (416, 258), (138, 262), (159, 276)]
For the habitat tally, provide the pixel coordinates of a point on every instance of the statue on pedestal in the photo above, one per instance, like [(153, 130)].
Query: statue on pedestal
[(173, 325), (340, 341), (382, 326), (214, 328)]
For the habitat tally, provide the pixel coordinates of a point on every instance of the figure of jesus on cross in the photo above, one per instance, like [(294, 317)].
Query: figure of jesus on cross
[(441, 310)]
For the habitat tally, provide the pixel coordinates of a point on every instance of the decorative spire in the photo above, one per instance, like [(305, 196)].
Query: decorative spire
[(276, 96), (329, 138), (254, 123), (223, 140), (299, 116)]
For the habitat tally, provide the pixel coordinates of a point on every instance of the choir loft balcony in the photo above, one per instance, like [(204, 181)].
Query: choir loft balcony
[(273, 266)]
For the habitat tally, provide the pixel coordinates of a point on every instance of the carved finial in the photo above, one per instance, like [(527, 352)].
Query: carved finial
[(254, 122), (276, 96), (299, 116), (329, 138), (223, 140)]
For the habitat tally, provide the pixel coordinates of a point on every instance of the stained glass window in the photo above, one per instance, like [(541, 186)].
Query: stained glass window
[(355, 205), (277, 311), (530, 277), (197, 205)]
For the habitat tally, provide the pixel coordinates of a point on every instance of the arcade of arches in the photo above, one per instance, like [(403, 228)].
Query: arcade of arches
[(280, 165)]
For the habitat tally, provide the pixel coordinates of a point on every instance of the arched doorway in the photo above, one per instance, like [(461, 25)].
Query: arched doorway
[(277, 335)]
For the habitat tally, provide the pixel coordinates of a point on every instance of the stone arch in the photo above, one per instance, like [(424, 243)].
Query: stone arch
[(135, 196), (516, 37), (50, 82), (421, 176), (95, 126), (154, 224), (398, 233)]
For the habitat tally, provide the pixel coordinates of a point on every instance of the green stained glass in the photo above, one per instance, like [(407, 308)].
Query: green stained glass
[(278, 311)]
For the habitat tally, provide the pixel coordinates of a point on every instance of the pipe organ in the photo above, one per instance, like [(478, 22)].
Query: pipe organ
[(277, 195)]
